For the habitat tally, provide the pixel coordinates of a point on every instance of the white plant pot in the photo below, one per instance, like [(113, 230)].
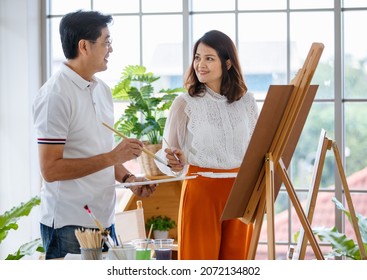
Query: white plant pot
[(160, 234)]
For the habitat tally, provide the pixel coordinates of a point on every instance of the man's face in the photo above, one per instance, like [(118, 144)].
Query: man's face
[(100, 51)]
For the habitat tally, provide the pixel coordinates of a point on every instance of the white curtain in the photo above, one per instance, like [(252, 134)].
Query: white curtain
[(20, 78)]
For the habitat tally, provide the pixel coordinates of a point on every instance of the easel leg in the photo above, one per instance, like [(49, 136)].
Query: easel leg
[(270, 205), (323, 146), (349, 201), (257, 227), (266, 199), (301, 215)]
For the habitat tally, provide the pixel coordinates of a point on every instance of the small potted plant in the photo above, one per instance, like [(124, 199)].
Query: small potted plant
[(161, 226), (145, 116)]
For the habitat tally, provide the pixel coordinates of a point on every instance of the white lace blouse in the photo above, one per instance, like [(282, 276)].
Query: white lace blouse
[(211, 132)]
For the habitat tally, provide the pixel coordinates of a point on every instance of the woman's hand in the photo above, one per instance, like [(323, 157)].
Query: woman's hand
[(176, 159), (142, 190)]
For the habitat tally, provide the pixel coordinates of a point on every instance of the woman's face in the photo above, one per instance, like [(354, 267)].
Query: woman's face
[(208, 67)]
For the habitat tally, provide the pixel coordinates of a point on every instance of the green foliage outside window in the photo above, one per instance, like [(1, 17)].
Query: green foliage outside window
[(342, 246)]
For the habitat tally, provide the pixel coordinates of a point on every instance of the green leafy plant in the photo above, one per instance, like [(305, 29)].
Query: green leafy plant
[(8, 221), (145, 117), (162, 223), (342, 246)]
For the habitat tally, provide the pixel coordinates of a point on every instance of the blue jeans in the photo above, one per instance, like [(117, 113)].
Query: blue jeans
[(58, 242)]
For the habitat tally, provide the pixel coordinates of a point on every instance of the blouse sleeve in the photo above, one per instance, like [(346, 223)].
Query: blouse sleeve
[(175, 131)]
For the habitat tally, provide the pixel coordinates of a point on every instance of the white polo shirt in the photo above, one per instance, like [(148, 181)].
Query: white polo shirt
[(70, 110)]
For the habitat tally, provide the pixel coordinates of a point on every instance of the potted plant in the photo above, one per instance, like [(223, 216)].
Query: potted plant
[(145, 116), (9, 221), (161, 226)]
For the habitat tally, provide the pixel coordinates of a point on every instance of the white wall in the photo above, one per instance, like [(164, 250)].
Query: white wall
[(20, 78)]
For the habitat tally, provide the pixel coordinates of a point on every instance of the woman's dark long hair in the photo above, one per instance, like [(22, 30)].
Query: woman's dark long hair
[(233, 85)]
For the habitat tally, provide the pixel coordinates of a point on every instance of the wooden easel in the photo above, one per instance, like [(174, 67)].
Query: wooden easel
[(256, 185), (267, 199), (326, 144)]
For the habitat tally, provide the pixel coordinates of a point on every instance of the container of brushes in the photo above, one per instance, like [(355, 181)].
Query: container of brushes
[(90, 241)]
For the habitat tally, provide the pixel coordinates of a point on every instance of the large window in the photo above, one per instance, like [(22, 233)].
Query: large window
[(273, 38)]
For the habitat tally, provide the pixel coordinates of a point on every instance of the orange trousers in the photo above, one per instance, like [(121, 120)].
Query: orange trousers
[(201, 233)]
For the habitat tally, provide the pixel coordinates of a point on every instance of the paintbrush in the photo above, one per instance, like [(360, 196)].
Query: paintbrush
[(98, 224), (105, 234), (150, 233), (174, 154), (144, 150)]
